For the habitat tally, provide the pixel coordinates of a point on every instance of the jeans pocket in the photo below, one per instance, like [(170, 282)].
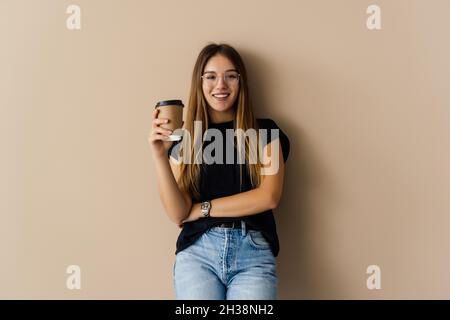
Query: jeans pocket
[(257, 240)]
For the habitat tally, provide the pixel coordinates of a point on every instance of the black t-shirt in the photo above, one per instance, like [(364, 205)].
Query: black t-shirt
[(221, 179)]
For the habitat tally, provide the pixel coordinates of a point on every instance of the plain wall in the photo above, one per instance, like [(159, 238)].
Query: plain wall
[(367, 114)]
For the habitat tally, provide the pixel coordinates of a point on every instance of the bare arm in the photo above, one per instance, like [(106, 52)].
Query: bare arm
[(177, 203), (260, 199)]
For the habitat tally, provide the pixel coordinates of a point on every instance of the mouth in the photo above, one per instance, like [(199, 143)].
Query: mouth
[(221, 96)]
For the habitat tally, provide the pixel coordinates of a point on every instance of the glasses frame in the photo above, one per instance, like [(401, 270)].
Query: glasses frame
[(223, 77)]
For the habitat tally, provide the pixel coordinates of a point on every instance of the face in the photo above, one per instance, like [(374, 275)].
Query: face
[(220, 86)]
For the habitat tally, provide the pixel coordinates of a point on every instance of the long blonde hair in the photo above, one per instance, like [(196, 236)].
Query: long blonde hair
[(189, 178)]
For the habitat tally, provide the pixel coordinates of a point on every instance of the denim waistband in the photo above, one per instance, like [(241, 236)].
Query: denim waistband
[(236, 225)]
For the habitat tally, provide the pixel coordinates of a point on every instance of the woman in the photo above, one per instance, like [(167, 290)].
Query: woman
[(228, 243)]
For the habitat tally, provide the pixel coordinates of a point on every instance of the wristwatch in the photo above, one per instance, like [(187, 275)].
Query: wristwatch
[(205, 208)]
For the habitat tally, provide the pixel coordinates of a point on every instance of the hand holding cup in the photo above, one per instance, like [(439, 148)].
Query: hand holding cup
[(166, 118)]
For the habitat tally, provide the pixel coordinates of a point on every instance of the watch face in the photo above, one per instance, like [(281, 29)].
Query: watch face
[(205, 205)]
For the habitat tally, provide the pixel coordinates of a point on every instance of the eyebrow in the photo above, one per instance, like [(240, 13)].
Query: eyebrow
[(225, 71)]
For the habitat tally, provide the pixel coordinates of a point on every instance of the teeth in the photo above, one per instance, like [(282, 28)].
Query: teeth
[(221, 95)]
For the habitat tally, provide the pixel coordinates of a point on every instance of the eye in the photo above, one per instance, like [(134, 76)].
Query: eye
[(210, 77)]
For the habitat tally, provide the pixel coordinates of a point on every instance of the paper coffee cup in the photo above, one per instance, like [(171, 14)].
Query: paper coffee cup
[(172, 110)]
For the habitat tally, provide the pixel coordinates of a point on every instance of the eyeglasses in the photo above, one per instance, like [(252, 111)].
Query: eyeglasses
[(230, 78)]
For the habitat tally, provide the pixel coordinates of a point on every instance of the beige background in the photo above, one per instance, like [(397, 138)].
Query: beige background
[(367, 113)]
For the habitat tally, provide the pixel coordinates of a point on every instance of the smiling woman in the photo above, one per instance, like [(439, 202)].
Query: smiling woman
[(220, 89), (228, 242)]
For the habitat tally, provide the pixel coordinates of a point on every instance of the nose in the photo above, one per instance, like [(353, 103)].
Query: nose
[(221, 82)]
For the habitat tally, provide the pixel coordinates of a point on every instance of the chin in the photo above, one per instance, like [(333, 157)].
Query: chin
[(222, 109)]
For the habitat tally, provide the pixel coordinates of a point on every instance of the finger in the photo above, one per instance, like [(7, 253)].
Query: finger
[(162, 131), (155, 114), (159, 121), (158, 136)]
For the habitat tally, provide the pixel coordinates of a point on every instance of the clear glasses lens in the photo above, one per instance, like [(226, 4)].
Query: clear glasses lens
[(231, 78)]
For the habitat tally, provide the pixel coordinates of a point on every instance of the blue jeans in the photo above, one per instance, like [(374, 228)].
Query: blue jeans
[(226, 264)]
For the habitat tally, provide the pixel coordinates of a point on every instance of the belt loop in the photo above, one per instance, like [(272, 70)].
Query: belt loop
[(244, 231)]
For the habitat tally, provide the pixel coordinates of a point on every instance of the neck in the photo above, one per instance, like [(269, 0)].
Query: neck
[(221, 116)]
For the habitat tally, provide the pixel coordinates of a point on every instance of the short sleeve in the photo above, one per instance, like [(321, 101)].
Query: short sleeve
[(269, 124)]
